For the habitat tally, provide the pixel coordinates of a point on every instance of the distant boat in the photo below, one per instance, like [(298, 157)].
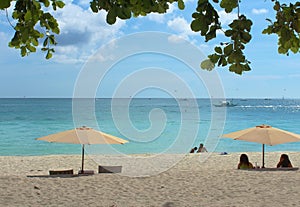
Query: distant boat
[(225, 104)]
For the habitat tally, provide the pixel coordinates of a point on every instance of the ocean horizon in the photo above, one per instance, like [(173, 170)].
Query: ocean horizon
[(151, 125)]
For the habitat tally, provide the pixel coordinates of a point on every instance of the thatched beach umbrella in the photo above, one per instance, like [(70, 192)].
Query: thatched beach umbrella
[(83, 135), (264, 134)]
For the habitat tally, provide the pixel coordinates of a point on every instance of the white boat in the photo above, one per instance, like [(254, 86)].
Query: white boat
[(225, 104)]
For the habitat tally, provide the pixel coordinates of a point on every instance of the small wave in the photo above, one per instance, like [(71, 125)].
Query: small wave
[(269, 106)]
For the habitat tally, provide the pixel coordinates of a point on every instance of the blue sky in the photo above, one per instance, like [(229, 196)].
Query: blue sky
[(84, 32)]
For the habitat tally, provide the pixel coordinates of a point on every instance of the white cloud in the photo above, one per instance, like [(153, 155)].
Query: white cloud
[(226, 18), (181, 26), (159, 18), (259, 11), (82, 33), (175, 39), (85, 3)]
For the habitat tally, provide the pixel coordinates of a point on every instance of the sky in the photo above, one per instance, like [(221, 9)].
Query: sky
[(86, 36)]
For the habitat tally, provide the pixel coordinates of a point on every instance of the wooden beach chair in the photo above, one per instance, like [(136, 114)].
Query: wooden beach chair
[(109, 169), (61, 172)]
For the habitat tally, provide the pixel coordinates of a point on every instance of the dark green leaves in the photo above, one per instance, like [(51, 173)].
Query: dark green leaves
[(5, 4), (229, 5), (111, 16), (94, 6), (28, 14), (231, 53), (125, 9), (34, 22), (181, 4), (286, 27), (206, 20)]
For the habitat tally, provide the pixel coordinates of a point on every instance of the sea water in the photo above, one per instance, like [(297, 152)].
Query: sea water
[(151, 125)]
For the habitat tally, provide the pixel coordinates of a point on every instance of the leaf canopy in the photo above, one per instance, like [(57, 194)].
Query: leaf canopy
[(34, 21)]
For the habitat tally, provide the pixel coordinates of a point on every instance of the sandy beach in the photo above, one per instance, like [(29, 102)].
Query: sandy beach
[(166, 181)]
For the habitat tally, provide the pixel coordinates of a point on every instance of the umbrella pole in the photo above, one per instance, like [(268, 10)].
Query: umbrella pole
[(263, 156), (82, 163)]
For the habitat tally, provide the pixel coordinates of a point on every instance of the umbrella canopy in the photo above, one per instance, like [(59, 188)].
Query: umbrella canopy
[(83, 135), (264, 134)]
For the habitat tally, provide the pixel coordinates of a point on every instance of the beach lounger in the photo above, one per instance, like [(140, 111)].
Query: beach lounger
[(109, 169), (86, 172), (61, 172)]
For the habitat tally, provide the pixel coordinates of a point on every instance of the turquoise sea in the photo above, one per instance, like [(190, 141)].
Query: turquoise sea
[(152, 125)]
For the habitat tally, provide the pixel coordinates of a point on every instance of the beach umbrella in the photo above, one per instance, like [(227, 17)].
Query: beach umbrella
[(83, 135), (266, 135)]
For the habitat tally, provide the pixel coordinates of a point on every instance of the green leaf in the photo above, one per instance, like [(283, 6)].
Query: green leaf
[(60, 4), (46, 3), (35, 42), (218, 50), (25, 34), (16, 39), (282, 50), (214, 58), (124, 13), (296, 25), (23, 51), (196, 25), (207, 65), (55, 30), (4, 4), (268, 30), (49, 55), (246, 37), (228, 49), (52, 40), (276, 6), (196, 15), (237, 68), (229, 5), (27, 16), (285, 35), (31, 48), (294, 49), (94, 7), (210, 35), (247, 24), (45, 43), (111, 17), (181, 5), (15, 15), (228, 33)]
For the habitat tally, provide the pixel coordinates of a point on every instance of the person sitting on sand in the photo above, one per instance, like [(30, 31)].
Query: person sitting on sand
[(284, 161), (193, 150), (244, 162), (201, 148)]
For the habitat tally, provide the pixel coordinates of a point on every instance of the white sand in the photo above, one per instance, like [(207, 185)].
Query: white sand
[(148, 180)]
